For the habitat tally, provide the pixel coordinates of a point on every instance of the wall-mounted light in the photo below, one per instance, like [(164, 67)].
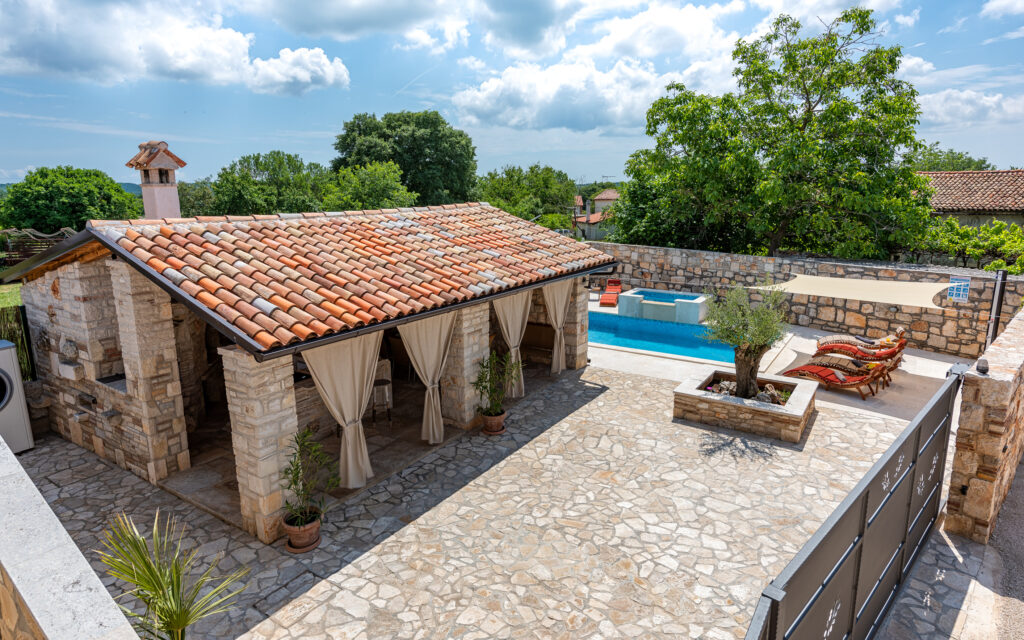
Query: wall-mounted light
[(982, 366)]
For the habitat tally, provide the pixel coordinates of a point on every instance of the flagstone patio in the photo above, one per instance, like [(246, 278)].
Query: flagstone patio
[(595, 515)]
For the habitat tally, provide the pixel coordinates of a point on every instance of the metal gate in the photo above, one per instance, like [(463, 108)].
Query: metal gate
[(843, 581)]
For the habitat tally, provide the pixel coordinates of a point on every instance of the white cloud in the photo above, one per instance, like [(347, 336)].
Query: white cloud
[(809, 11), (472, 63), (570, 94), (970, 108), (453, 33), (908, 20), (68, 124), (1016, 34), (15, 175), (979, 77), (956, 26), (997, 8), (127, 42)]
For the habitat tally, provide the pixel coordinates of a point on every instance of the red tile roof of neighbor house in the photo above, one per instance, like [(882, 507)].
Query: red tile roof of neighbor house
[(607, 194), (289, 278), (579, 200), (592, 218), (977, 190)]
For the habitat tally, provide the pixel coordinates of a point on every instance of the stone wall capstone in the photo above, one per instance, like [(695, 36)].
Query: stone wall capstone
[(958, 328)]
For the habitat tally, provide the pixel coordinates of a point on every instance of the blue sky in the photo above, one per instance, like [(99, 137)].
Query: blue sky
[(561, 82)]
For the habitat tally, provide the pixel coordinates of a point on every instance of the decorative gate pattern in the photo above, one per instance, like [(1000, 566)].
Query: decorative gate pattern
[(842, 582)]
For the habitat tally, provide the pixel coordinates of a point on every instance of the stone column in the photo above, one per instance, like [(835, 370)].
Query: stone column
[(261, 402), (576, 323), (470, 345), (151, 372), (190, 342)]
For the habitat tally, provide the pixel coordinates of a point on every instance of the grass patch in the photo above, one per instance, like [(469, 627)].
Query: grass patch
[(10, 295)]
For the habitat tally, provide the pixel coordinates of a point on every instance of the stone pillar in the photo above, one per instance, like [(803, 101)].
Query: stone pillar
[(576, 323), (261, 401), (190, 342), (151, 372), (470, 345), (989, 437)]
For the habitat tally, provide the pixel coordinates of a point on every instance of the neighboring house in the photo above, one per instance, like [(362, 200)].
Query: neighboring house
[(976, 197), (605, 199), (590, 227), (145, 330), (578, 206)]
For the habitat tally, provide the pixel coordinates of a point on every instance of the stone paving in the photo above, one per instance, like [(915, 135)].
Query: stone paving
[(595, 515)]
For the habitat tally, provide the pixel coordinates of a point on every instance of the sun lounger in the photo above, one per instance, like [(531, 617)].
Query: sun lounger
[(858, 353), (610, 297), (855, 367), (833, 378), (862, 342)]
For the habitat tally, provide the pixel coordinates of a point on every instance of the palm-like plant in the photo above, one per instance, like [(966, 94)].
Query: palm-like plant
[(162, 576)]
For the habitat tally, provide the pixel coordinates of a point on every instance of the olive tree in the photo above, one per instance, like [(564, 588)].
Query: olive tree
[(750, 327)]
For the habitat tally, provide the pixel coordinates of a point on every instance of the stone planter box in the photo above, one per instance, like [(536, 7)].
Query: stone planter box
[(785, 422)]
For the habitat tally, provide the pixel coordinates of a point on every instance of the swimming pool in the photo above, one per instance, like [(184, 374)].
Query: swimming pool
[(655, 295), (667, 306), (654, 335)]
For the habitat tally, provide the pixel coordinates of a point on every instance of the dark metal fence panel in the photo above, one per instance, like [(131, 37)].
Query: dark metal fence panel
[(842, 582)]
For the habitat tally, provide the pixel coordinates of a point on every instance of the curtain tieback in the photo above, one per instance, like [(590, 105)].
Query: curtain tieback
[(352, 423), (436, 385)]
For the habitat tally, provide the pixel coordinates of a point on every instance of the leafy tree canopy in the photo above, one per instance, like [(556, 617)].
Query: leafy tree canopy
[(264, 183), (51, 198), (806, 156), (438, 162), (932, 158), (536, 192), (377, 185), (197, 198)]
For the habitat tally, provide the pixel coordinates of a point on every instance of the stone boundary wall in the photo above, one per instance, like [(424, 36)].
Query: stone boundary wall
[(989, 438), (958, 328), (47, 587)]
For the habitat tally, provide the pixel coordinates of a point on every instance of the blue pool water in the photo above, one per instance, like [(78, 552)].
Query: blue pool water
[(654, 335), (654, 295)]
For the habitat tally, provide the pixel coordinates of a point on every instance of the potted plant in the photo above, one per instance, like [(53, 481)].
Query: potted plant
[(306, 478), (751, 328), (165, 578), (492, 383)]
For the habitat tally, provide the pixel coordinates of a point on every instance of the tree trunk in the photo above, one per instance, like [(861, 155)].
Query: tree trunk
[(747, 359)]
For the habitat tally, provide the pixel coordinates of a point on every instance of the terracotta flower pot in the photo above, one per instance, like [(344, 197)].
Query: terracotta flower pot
[(302, 538), (494, 425)]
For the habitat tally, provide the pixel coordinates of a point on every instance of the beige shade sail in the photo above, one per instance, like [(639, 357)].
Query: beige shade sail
[(427, 341), (513, 312), (343, 372), (556, 301), (890, 292)]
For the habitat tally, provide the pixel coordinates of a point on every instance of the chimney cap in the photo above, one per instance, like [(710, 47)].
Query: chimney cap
[(154, 155)]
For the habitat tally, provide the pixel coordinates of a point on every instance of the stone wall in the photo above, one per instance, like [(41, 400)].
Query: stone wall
[(190, 346), (47, 587), (79, 317), (470, 345), (576, 328), (958, 328), (989, 438)]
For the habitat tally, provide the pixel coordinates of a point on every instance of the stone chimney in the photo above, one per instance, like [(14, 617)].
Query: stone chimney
[(156, 166)]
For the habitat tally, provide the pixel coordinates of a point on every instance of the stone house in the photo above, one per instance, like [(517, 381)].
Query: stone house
[(977, 197), (143, 329)]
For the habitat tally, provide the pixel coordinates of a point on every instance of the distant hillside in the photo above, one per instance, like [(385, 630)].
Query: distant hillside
[(130, 187)]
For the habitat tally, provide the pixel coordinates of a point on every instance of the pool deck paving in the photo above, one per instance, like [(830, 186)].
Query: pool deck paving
[(595, 515)]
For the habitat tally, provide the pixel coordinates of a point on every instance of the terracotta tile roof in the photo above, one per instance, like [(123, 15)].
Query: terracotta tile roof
[(592, 218), (152, 151), (607, 194), (977, 190), (579, 200), (288, 278)]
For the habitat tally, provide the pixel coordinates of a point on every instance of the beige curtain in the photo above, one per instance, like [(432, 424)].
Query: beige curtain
[(427, 341), (556, 301), (513, 311), (343, 372)]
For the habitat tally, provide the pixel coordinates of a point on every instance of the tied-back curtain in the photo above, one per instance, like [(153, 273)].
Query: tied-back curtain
[(427, 341), (513, 312), (556, 301), (343, 372)]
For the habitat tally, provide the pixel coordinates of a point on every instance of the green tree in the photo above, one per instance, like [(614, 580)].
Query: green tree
[(197, 198), (377, 185), (806, 156), (274, 182), (438, 162), (750, 327), (591, 189), (51, 198), (538, 192), (933, 158)]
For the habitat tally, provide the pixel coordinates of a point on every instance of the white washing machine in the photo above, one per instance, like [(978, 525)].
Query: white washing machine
[(14, 425)]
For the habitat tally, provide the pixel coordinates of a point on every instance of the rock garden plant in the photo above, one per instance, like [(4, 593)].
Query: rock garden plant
[(163, 577), (751, 328)]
